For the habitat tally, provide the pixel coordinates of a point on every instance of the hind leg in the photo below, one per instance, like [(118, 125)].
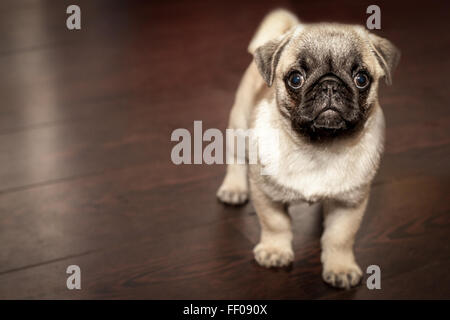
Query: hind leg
[(234, 188)]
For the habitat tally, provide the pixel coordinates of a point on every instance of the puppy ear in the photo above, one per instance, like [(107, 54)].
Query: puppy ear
[(267, 56), (387, 55)]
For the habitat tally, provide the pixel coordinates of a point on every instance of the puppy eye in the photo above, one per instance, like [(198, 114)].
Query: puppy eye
[(361, 80), (295, 80)]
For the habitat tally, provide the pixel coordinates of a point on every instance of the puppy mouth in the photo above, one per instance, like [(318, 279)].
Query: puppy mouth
[(329, 119)]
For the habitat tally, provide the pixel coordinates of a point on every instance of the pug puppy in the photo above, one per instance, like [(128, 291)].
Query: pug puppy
[(316, 84)]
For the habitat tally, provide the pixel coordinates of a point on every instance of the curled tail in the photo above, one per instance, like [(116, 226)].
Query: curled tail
[(273, 25)]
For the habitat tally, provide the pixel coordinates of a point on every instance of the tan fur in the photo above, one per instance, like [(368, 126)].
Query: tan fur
[(276, 23), (338, 173)]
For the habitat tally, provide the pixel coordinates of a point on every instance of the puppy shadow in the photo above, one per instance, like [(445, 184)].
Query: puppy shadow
[(273, 270), (307, 221)]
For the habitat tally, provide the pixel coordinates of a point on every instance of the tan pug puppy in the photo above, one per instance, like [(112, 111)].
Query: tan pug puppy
[(316, 84)]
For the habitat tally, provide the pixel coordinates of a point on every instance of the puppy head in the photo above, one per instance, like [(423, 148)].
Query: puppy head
[(326, 76)]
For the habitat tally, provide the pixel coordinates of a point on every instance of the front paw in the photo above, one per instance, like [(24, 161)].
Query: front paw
[(343, 277), (273, 256)]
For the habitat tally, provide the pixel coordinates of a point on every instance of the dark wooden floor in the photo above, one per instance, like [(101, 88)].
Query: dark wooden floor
[(85, 171)]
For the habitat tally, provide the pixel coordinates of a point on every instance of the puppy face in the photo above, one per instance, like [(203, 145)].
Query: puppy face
[(326, 77)]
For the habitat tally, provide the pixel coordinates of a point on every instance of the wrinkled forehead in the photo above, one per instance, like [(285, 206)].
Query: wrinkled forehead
[(337, 45)]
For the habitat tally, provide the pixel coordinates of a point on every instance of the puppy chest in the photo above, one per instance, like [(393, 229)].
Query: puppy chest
[(305, 179)]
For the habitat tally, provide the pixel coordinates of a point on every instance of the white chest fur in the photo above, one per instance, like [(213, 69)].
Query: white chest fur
[(314, 172)]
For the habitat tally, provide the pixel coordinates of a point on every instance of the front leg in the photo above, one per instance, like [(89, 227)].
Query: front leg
[(341, 222), (275, 246)]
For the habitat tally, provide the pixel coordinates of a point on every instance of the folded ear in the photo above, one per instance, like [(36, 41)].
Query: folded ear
[(387, 55), (267, 56)]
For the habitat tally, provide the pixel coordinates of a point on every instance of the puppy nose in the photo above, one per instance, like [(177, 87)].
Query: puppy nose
[(329, 87)]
